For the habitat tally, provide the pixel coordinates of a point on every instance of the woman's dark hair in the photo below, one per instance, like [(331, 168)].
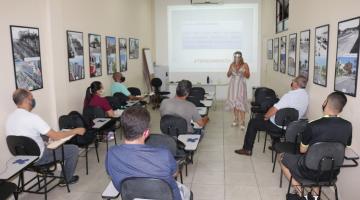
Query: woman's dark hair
[(183, 88), (134, 121), (90, 91)]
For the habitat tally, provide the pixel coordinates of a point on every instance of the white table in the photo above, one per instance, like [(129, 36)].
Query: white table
[(131, 103), (352, 157), (191, 141), (202, 110), (207, 103), (110, 192), (100, 122), (15, 165), (57, 143)]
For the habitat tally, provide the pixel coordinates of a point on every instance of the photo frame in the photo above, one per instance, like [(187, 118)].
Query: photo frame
[(133, 48), (321, 52), (292, 54), (25, 42), (123, 54), (95, 60), (75, 52), (110, 55), (347, 56), (276, 55), (270, 49), (283, 54), (282, 15), (304, 53)]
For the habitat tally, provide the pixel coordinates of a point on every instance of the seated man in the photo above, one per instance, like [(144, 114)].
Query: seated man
[(136, 159), (118, 86), (296, 98), (181, 107), (328, 128), (24, 123)]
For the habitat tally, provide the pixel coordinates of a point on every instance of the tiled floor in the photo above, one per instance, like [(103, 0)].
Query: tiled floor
[(217, 173)]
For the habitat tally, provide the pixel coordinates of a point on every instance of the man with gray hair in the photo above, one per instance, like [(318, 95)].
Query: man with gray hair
[(24, 123), (296, 98)]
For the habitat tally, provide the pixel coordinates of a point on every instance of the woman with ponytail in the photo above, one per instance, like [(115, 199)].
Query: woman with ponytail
[(94, 98)]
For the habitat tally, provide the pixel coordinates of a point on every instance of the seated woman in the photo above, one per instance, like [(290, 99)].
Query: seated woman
[(94, 98)]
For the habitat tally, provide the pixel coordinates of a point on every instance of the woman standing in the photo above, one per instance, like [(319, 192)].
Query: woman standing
[(237, 95)]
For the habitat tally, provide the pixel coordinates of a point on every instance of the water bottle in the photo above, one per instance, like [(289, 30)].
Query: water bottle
[(207, 80)]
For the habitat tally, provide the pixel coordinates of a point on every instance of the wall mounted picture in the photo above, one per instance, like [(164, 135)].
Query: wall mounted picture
[(276, 54), (75, 51), (123, 54), (111, 55), (270, 49), (347, 56), (321, 55), (26, 57), (304, 53), (95, 55), (133, 48), (292, 54), (283, 54)]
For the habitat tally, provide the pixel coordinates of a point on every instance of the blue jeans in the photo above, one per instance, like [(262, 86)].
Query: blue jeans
[(71, 154)]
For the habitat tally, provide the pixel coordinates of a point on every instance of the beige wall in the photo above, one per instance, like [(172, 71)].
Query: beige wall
[(308, 14), (119, 18)]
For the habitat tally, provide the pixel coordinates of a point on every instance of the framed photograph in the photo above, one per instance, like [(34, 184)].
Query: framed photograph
[(304, 54), (282, 15), (270, 49), (133, 48), (123, 54), (283, 54), (276, 54), (111, 54), (75, 51), (321, 55), (25, 43), (95, 55), (347, 56), (292, 54)]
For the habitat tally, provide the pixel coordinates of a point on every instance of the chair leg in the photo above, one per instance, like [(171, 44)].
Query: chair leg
[(273, 169), (96, 150), (289, 184), (115, 137), (181, 176), (281, 178), (45, 188), (86, 160), (265, 142), (186, 169), (258, 136)]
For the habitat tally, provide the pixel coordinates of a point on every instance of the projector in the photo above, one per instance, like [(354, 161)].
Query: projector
[(206, 1)]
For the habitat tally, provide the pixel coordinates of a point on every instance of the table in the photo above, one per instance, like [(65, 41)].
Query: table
[(57, 143), (202, 110), (100, 122), (207, 103), (15, 165), (131, 103), (191, 141), (351, 155)]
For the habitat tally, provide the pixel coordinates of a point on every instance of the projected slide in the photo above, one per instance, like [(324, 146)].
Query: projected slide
[(203, 38)]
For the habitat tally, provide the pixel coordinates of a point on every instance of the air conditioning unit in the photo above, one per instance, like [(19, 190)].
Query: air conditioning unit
[(207, 1)]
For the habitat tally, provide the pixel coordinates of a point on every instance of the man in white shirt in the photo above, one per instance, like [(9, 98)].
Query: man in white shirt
[(24, 123), (296, 98)]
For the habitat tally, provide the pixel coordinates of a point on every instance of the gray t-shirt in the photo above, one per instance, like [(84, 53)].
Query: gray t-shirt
[(182, 108)]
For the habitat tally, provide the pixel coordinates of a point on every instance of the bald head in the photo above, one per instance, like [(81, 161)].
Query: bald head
[(117, 76), (301, 81), (20, 95)]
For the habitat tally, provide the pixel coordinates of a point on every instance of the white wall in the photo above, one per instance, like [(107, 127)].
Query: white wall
[(308, 14), (119, 18), (161, 43)]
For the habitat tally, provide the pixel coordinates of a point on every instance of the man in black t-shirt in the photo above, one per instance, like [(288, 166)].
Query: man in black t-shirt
[(329, 128)]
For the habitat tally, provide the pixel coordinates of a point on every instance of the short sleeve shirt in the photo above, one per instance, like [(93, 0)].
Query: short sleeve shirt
[(101, 102), (119, 87), (182, 108), (139, 160), (24, 123), (297, 99)]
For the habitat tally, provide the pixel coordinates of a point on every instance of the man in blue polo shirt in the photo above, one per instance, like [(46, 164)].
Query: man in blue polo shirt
[(136, 159)]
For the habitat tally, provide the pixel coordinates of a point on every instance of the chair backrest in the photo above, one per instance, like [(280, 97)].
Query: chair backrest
[(162, 141), (197, 92), (195, 100), (156, 83), (72, 120), (91, 112), (134, 91), (325, 156), (22, 146), (145, 188), (263, 93), (286, 115), (119, 99), (173, 125), (294, 129)]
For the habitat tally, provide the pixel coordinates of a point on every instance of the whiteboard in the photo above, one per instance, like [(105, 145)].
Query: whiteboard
[(149, 61)]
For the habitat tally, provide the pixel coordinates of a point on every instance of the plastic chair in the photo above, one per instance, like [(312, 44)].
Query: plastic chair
[(173, 125)]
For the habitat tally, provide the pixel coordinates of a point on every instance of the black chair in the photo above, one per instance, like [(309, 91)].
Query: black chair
[(145, 188), (159, 95), (21, 145), (172, 144), (75, 120), (173, 125), (118, 100), (322, 157), (264, 98), (282, 118), (195, 101), (7, 189), (197, 92), (90, 113), (134, 91)]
